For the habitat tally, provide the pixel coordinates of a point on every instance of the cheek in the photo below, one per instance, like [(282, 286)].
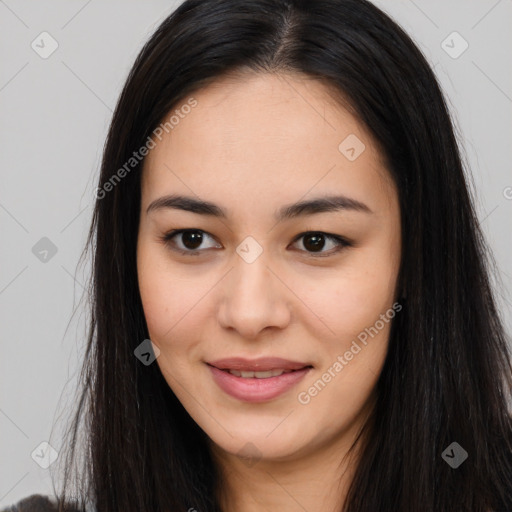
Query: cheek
[(173, 300), (168, 307), (157, 305), (352, 299), (159, 294)]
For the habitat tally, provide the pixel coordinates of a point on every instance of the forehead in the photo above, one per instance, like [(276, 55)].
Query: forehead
[(264, 137)]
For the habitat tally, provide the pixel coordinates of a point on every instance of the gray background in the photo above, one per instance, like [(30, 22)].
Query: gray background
[(54, 117)]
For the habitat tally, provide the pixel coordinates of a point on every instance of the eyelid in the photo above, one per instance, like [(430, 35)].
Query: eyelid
[(340, 240)]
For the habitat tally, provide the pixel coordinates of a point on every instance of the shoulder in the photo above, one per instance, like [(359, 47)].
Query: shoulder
[(33, 503), (38, 503)]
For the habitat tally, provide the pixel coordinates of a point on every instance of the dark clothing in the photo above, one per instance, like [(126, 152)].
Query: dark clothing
[(39, 503)]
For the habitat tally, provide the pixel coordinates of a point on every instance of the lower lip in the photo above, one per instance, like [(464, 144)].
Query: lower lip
[(253, 389)]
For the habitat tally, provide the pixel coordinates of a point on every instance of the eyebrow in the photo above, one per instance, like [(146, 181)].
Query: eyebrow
[(318, 205)]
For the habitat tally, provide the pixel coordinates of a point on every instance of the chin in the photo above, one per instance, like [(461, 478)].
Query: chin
[(253, 445)]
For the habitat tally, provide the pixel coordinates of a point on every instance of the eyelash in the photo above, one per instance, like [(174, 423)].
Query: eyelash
[(342, 242)]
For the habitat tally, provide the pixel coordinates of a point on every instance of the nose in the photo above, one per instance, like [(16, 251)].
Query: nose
[(253, 299)]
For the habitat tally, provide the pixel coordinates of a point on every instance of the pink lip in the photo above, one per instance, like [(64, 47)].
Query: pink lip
[(257, 390), (257, 365)]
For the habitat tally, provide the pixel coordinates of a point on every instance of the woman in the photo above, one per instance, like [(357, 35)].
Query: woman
[(291, 301)]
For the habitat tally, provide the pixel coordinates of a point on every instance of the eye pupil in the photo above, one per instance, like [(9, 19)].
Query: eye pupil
[(192, 239), (317, 242)]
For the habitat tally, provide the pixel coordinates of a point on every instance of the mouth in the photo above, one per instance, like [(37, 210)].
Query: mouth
[(257, 380), (262, 368), (259, 375)]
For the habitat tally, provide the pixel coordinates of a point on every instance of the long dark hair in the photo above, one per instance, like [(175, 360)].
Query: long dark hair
[(447, 377)]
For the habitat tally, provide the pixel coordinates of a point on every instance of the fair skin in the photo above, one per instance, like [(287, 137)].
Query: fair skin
[(251, 146)]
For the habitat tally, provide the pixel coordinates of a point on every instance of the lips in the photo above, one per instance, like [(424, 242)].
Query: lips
[(252, 382), (262, 364)]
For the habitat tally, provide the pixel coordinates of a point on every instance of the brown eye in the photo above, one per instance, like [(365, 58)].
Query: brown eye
[(315, 241), (190, 243), (192, 239)]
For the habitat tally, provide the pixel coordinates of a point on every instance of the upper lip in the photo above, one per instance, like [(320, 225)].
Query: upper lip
[(260, 364)]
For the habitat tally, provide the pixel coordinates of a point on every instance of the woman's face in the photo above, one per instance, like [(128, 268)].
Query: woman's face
[(260, 277)]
